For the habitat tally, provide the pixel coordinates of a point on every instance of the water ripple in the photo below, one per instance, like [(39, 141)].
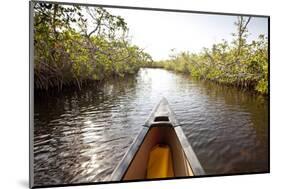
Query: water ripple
[(81, 136)]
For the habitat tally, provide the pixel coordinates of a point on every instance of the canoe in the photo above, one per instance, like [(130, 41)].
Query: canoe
[(160, 150)]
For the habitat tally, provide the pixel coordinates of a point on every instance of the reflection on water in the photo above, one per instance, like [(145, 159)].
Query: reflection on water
[(80, 136)]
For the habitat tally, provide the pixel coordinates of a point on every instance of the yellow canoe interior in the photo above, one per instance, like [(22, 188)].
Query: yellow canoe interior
[(168, 162), (160, 163)]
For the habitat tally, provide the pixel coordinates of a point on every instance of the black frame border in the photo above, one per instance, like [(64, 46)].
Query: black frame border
[(31, 90)]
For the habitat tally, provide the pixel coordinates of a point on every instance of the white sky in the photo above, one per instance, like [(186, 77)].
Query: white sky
[(159, 32)]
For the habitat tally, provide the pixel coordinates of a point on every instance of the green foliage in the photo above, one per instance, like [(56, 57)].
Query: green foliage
[(240, 63), (74, 45)]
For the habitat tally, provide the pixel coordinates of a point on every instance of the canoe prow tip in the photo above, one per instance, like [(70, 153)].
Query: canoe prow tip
[(162, 111), (163, 100)]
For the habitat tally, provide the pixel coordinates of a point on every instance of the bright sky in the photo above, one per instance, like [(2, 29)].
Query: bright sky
[(159, 32)]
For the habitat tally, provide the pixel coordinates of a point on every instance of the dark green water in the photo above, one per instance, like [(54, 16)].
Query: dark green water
[(80, 136)]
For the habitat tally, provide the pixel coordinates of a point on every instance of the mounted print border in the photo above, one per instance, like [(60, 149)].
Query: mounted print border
[(77, 70)]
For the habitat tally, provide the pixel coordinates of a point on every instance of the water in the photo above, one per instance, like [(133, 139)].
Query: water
[(80, 136)]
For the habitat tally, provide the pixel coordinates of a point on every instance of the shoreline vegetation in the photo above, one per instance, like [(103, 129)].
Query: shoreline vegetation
[(239, 63), (73, 49), (74, 46)]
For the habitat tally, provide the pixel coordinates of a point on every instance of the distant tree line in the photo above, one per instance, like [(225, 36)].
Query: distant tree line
[(75, 45)]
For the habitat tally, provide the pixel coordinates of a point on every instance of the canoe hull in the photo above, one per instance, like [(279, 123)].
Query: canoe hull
[(160, 128)]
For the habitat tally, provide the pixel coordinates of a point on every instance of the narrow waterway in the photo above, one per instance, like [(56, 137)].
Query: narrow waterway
[(80, 136)]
